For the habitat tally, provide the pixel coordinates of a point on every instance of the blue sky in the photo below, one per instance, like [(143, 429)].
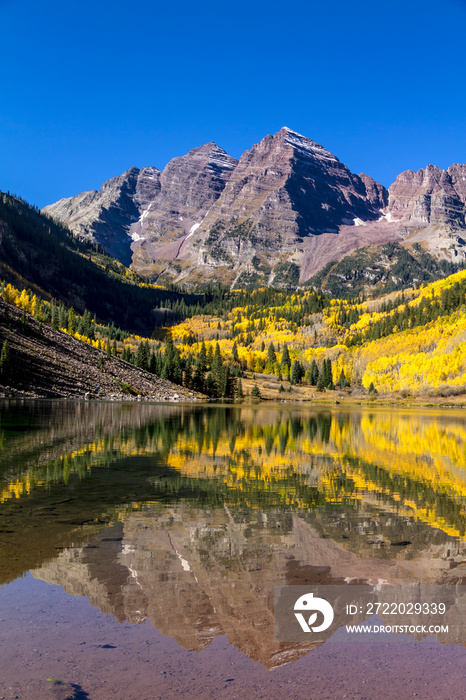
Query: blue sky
[(89, 89)]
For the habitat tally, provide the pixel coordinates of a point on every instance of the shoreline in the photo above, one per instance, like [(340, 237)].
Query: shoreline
[(186, 397)]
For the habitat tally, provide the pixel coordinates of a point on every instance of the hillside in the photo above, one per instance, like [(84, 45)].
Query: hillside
[(380, 270), (42, 362), (409, 343), (38, 253), (401, 342)]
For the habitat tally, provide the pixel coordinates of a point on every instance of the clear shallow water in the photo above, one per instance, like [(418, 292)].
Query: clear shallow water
[(175, 523)]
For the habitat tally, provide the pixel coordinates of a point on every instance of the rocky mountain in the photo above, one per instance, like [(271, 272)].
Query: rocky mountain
[(277, 216), (282, 196), (104, 216), (189, 186), (430, 207), (148, 206), (413, 191)]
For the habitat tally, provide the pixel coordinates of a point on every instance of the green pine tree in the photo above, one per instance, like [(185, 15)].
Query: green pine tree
[(342, 381), (62, 316), (314, 373), (201, 363), (71, 321), (297, 373), (327, 377), (187, 377), (4, 358), (286, 360)]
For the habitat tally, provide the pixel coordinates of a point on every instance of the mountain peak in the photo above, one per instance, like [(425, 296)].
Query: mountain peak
[(287, 130), (208, 216), (305, 145), (210, 154), (205, 148)]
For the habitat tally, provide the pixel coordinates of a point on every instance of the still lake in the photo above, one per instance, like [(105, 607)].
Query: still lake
[(140, 545)]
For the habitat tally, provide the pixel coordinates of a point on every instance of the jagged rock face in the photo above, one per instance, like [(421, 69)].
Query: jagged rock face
[(283, 190), (457, 173), (288, 183), (189, 186), (430, 205), (105, 216), (278, 216), (430, 196), (410, 185), (375, 192), (439, 208)]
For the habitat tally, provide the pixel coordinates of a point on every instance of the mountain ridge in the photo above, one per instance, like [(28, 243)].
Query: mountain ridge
[(287, 204)]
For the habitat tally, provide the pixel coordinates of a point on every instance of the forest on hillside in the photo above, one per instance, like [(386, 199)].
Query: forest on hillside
[(412, 341), (41, 255)]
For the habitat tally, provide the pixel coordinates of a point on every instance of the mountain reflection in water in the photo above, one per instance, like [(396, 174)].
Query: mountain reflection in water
[(189, 516)]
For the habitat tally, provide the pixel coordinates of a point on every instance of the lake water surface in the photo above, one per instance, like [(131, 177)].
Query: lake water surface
[(140, 545)]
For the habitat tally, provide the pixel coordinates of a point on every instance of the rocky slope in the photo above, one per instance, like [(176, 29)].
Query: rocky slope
[(189, 186), (52, 364), (278, 216), (429, 207), (147, 206), (426, 212), (381, 268), (105, 216)]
